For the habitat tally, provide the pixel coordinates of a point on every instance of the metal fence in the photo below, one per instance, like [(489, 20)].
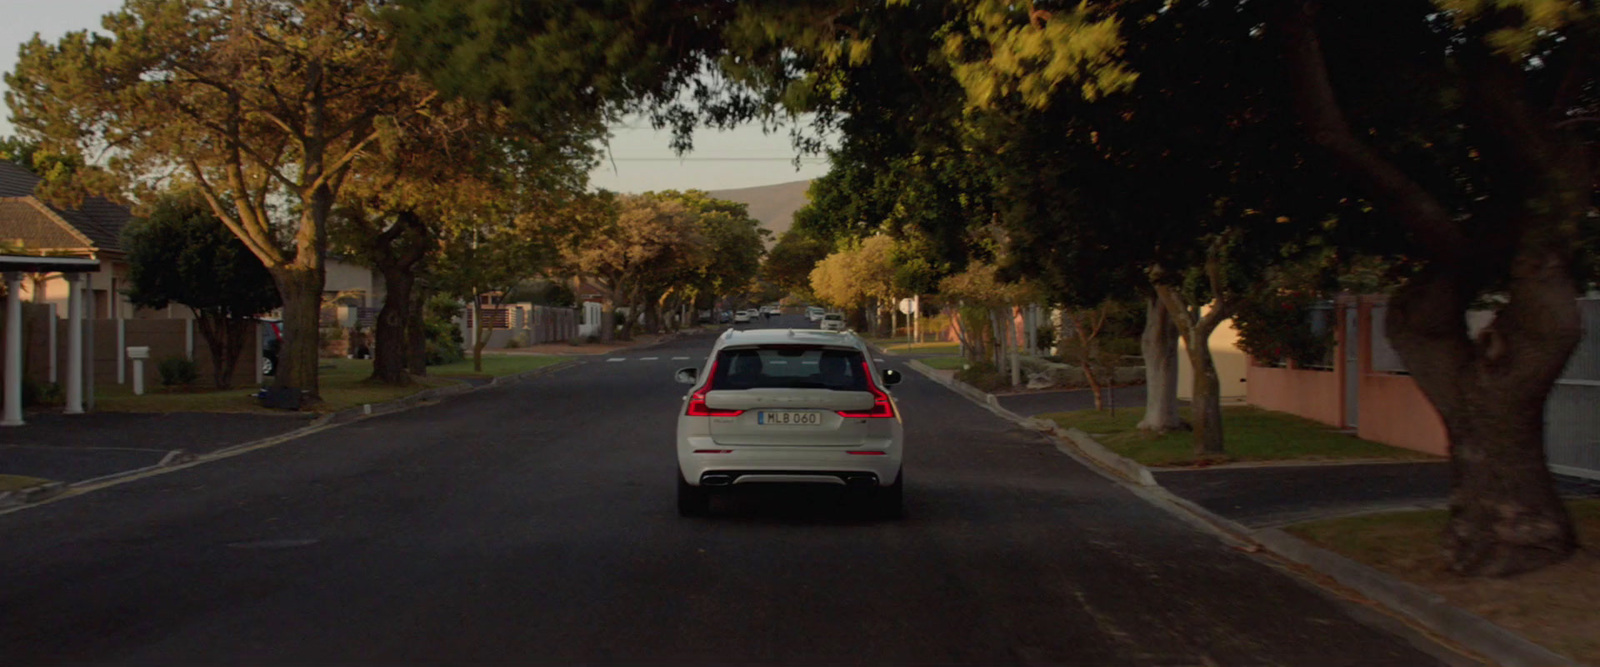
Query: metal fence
[(1572, 413), (1384, 358)]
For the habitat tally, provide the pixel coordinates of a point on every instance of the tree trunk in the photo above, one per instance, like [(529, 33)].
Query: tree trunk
[(1159, 344), (479, 335), (1505, 514), (1195, 330), (389, 362), (608, 320), (417, 331), (225, 339), (397, 251), (652, 315), (1206, 408), (301, 289)]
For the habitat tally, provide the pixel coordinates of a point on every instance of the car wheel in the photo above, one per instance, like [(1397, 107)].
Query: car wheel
[(888, 502), (692, 500)]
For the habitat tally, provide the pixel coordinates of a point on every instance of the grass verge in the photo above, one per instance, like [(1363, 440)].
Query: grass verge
[(1251, 434), (343, 383), (497, 365), (931, 347), (943, 363), (1553, 607), (19, 482)]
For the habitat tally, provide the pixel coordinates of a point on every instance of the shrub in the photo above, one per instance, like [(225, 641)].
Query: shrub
[(36, 393), (577, 341), (444, 339), (984, 376), (1286, 325), (178, 372)]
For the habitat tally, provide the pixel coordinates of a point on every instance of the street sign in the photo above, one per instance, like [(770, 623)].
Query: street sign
[(905, 306)]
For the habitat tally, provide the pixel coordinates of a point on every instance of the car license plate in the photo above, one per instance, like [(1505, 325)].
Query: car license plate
[(768, 418)]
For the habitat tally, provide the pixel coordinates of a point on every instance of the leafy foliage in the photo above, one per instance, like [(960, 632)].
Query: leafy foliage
[(1283, 327), (181, 253)]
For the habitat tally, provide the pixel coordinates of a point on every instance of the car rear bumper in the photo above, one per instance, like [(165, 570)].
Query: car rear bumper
[(751, 465)]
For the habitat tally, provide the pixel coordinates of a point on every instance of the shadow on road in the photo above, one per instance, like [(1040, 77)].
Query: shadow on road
[(794, 504)]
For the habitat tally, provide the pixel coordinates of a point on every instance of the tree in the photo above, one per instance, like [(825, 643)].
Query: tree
[(181, 253), (263, 104), (733, 245), (1479, 154), (792, 259), (429, 168), (634, 245), (486, 252)]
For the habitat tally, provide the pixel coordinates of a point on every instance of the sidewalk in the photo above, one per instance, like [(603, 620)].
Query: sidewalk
[(74, 448), (1266, 496)]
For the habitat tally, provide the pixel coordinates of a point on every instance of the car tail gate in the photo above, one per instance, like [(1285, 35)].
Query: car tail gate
[(793, 395)]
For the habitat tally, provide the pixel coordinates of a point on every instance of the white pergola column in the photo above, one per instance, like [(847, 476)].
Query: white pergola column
[(13, 378), (74, 344)]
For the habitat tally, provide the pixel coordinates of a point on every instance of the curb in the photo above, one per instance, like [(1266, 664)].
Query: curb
[(30, 495), (1426, 608), (178, 459), (1419, 606), (1125, 468)]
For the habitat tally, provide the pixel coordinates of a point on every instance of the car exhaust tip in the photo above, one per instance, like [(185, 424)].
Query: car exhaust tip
[(716, 480), (858, 481)]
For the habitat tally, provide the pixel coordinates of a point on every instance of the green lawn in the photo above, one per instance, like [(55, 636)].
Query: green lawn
[(944, 363), (1553, 606), (343, 386), (497, 365), (1251, 434), (19, 482), (930, 347)]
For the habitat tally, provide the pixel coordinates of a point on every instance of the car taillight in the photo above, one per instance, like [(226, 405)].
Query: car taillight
[(881, 407), (697, 400)]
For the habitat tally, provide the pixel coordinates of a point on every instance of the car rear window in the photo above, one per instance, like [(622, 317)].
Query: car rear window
[(833, 316), (790, 367)]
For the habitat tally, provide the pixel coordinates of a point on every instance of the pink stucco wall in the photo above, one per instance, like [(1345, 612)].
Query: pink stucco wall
[(1391, 408), (1310, 394), (1394, 411)]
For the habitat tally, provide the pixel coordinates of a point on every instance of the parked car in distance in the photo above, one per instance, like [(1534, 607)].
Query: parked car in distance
[(833, 322), (789, 406), (704, 317), (741, 317), (271, 344), (814, 313)]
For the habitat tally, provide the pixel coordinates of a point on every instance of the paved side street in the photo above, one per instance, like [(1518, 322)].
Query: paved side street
[(80, 447)]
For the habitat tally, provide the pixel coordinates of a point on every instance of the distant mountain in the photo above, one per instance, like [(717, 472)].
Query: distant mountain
[(773, 205)]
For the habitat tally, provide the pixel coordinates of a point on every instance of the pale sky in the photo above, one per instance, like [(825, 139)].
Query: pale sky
[(640, 159)]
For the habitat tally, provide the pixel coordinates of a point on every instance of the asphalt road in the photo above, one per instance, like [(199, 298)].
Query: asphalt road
[(536, 523)]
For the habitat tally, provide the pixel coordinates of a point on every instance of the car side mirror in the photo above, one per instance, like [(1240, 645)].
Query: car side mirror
[(891, 377), (687, 375)]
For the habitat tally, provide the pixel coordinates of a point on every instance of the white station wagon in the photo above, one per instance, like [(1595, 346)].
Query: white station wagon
[(789, 406)]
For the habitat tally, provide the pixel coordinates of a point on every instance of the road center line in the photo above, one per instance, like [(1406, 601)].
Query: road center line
[(680, 358), (648, 358), (616, 359)]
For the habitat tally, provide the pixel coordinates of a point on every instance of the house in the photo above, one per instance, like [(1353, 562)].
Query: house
[(1232, 364), (91, 231), (1368, 390)]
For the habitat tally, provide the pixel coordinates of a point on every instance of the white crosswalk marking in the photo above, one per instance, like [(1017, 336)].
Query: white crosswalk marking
[(616, 359)]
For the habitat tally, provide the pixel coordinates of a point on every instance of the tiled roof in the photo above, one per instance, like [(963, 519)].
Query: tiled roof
[(26, 221), (98, 219)]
